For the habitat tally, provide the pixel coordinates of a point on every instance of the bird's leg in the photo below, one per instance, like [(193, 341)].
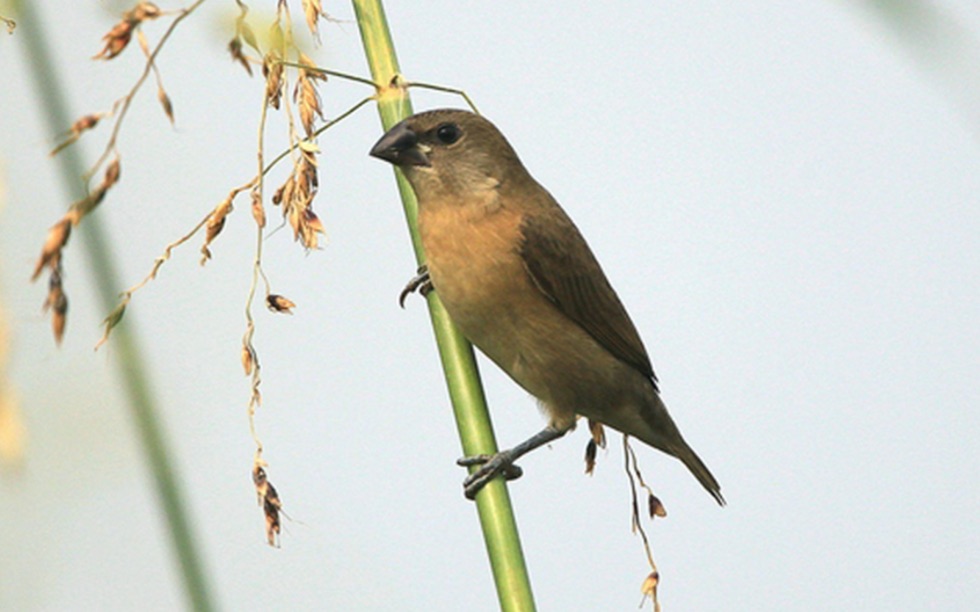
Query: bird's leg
[(420, 282), (503, 462)]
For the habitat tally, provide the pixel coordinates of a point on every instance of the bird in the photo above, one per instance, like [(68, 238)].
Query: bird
[(520, 282)]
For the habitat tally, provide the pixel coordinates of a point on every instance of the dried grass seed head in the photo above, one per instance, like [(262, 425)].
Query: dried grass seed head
[(56, 239), (235, 48), (313, 10), (258, 210), (272, 71), (117, 39), (279, 303), (112, 172)]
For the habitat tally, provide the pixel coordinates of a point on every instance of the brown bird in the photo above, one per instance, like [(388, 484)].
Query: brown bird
[(520, 282)]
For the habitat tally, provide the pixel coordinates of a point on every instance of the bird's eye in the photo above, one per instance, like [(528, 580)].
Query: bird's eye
[(448, 133)]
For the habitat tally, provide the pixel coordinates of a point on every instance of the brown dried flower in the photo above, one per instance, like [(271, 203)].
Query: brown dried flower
[(116, 40), (309, 228), (235, 48), (248, 359), (258, 210), (57, 303), (308, 99), (598, 433), (168, 107), (119, 36), (216, 222), (305, 94), (51, 251), (278, 303), (272, 71), (590, 453), (649, 588), (655, 506), (112, 172), (597, 441), (296, 196), (270, 503), (111, 321), (75, 132), (313, 10)]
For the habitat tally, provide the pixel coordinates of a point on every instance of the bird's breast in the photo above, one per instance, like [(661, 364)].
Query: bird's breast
[(478, 272), (472, 257)]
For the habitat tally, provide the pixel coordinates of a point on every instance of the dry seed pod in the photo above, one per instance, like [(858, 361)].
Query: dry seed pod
[(312, 9), (590, 453), (258, 211), (235, 48), (59, 320), (85, 123), (655, 506), (119, 36), (115, 40), (313, 221), (112, 172), (215, 225), (75, 131), (111, 321), (51, 251), (278, 303), (57, 302), (309, 227), (216, 222), (277, 197), (598, 433), (649, 588), (309, 103), (168, 107), (270, 502), (248, 359), (272, 71)]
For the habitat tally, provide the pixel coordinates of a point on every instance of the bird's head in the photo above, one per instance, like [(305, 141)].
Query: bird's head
[(448, 151)]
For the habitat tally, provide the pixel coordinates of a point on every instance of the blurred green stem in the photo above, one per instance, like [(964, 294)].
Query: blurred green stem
[(124, 345), (465, 390)]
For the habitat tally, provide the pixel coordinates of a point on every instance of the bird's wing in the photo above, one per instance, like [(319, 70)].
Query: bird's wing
[(563, 267)]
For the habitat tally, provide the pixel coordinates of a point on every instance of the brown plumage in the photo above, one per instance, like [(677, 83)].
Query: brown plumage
[(520, 282)]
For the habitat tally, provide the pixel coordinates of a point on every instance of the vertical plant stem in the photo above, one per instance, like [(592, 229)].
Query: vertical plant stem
[(128, 356), (465, 389)]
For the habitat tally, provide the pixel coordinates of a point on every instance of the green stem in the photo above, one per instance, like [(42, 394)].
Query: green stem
[(465, 390), (125, 346)]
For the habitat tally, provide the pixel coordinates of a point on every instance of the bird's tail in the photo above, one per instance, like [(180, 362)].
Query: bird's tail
[(689, 458), (657, 429)]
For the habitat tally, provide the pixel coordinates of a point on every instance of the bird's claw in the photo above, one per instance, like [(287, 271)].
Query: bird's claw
[(420, 282), (491, 465)]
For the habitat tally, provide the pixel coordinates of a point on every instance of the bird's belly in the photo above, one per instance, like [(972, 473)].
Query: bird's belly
[(480, 277)]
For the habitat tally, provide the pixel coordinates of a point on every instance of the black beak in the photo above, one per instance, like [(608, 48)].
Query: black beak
[(400, 147)]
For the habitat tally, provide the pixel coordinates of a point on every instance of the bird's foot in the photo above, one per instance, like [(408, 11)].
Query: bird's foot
[(420, 282), (502, 463), (491, 465)]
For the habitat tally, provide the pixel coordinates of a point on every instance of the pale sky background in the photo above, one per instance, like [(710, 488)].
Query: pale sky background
[(785, 196)]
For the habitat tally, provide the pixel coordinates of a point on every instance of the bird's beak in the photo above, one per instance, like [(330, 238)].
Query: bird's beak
[(400, 147)]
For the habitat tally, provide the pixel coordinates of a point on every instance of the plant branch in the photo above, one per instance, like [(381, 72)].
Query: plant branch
[(139, 395), (469, 404)]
